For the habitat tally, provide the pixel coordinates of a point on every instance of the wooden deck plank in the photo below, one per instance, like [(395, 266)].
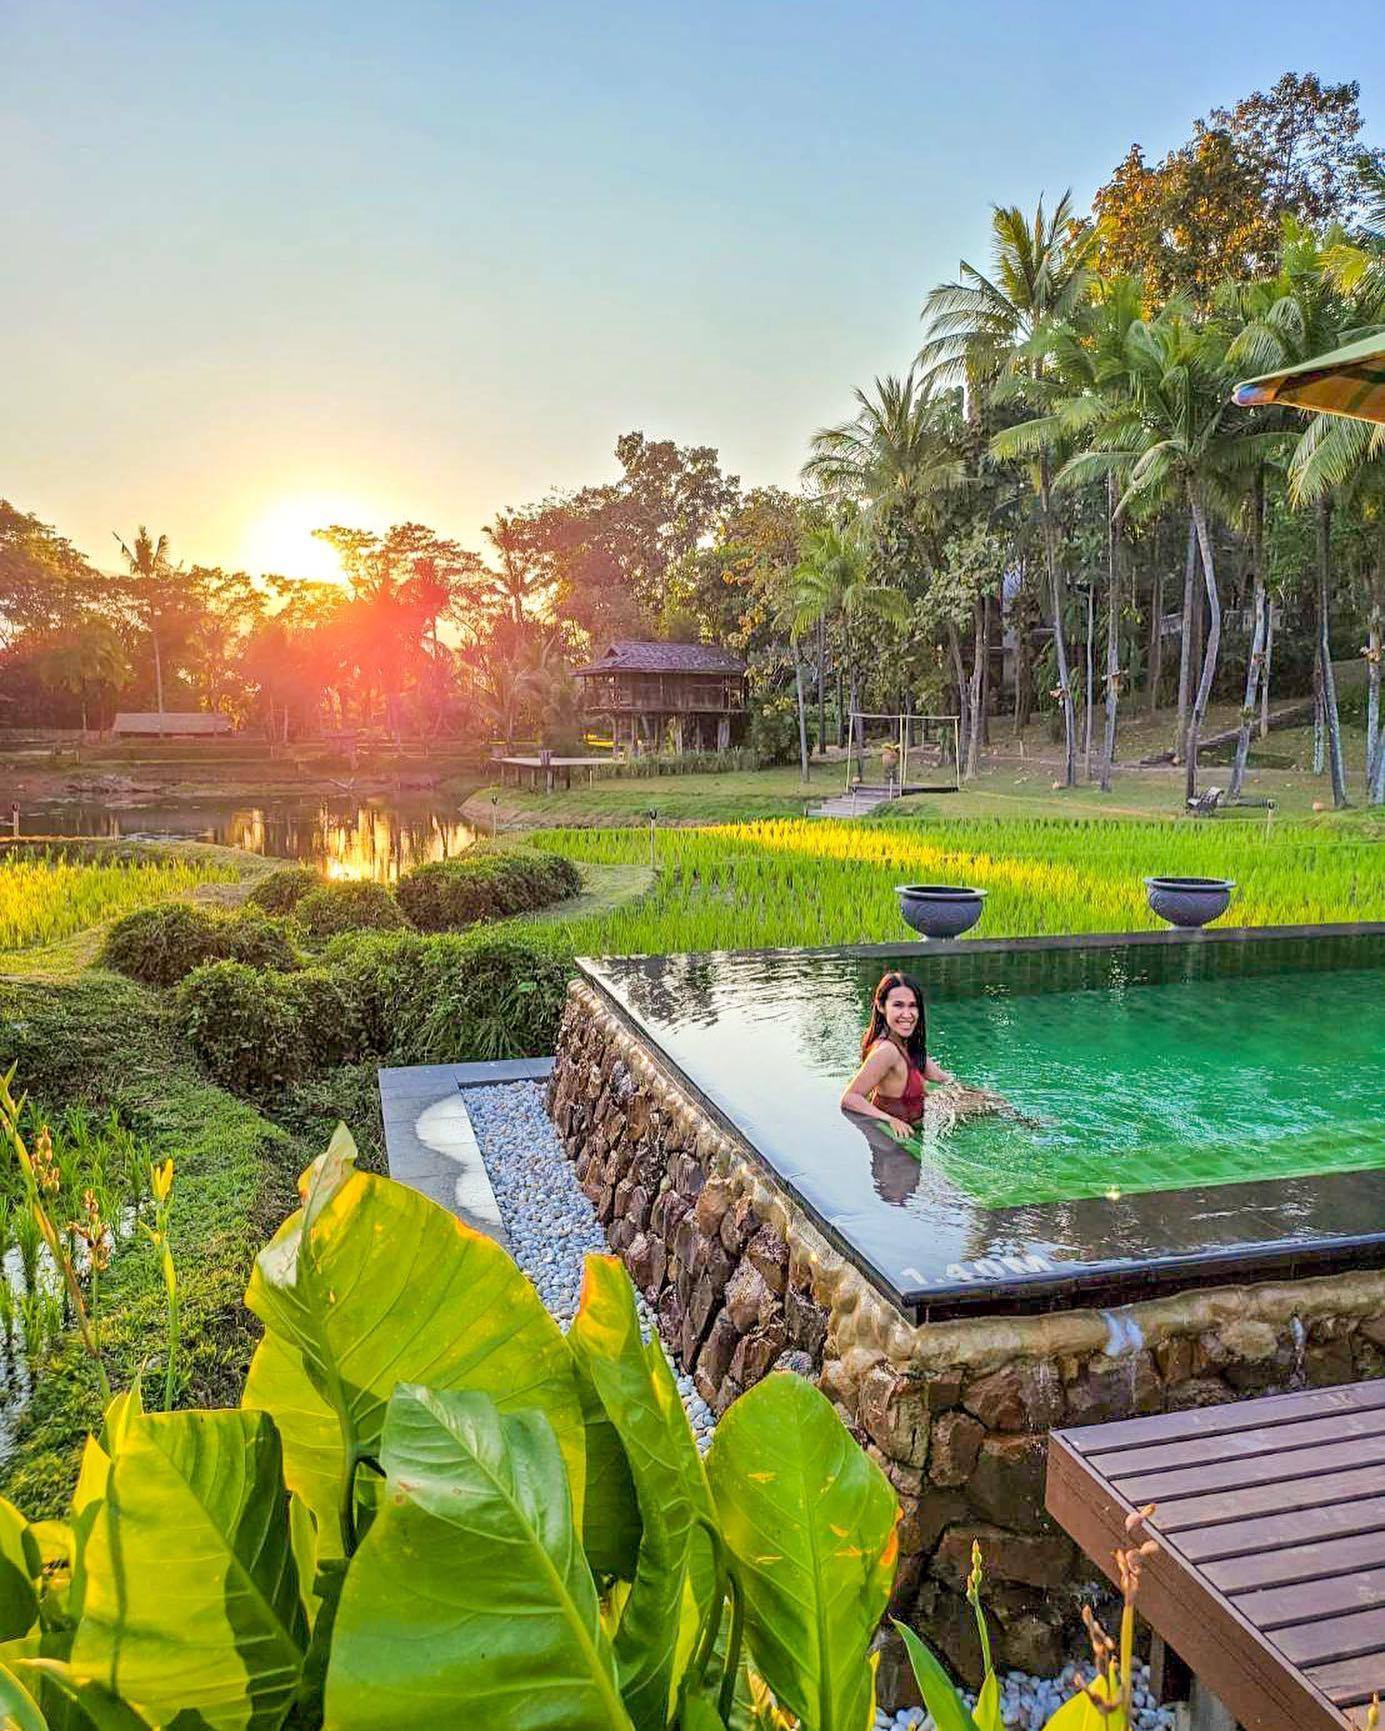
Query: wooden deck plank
[(1234, 1416), (1331, 1639), (1334, 1594), (1350, 1680), (1161, 1484), (1283, 1497), (1209, 1544), (1237, 1445), (1316, 1560)]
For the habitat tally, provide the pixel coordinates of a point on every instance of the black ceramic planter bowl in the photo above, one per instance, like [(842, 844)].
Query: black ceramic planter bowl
[(1189, 902), (940, 910)]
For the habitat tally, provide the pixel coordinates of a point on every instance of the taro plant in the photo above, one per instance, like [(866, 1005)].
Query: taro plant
[(434, 1508)]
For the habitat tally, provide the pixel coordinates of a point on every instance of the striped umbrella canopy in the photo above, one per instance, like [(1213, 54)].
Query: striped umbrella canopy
[(1350, 381)]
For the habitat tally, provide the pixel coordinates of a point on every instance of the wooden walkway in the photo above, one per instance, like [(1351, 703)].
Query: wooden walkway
[(1270, 1516)]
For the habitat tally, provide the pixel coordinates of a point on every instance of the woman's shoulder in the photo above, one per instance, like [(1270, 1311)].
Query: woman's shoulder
[(885, 1044)]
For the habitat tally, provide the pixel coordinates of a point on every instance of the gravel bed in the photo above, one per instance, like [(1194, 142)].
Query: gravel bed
[(1028, 1703), (552, 1225)]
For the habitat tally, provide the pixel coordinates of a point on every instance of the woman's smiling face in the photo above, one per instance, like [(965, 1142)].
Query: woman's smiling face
[(901, 1011)]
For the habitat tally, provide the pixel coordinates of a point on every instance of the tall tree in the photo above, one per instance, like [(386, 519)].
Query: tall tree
[(982, 330), (156, 590)]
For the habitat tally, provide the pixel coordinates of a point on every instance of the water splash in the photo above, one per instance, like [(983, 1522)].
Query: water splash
[(1124, 1336), (1298, 1376)]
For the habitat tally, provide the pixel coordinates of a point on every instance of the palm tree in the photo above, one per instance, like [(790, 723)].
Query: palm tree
[(1173, 434), (901, 458), (833, 581), (980, 332), (153, 576), (1083, 377), (1299, 314)]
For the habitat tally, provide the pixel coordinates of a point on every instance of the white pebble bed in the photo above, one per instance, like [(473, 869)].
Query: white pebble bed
[(1028, 1703), (552, 1227)]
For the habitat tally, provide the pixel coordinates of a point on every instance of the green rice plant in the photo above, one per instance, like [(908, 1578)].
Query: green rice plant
[(796, 883), (48, 896)]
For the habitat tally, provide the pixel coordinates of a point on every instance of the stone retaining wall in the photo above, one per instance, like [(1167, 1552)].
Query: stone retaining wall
[(956, 1413)]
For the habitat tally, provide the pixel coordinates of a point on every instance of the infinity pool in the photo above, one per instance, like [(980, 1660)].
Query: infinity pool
[(1183, 1105)]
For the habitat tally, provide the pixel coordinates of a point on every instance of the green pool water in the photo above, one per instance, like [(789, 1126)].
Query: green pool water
[(1166, 1087)]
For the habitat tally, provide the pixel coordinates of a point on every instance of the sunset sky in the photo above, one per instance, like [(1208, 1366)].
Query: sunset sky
[(270, 265)]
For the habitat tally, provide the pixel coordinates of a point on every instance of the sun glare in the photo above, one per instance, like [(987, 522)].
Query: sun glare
[(281, 540)]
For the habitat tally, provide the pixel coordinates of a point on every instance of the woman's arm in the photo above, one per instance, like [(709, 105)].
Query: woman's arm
[(856, 1095), (934, 1072)]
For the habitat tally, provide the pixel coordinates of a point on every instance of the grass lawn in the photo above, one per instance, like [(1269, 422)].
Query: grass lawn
[(1016, 781), (56, 901)]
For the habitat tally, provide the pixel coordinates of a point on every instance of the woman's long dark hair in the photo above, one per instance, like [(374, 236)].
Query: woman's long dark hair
[(917, 1044)]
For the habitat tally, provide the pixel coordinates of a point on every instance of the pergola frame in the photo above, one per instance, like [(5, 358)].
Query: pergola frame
[(903, 726)]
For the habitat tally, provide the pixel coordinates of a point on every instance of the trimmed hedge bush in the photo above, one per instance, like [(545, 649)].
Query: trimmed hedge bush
[(159, 946), (484, 884), (282, 890), (362, 906), (398, 997)]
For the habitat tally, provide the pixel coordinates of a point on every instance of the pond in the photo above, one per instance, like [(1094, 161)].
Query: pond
[(350, 836)]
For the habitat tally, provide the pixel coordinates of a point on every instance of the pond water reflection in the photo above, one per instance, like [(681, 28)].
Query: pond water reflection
[(346, 837)]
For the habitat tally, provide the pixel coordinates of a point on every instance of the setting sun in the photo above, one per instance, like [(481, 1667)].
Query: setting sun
[(281, 539)]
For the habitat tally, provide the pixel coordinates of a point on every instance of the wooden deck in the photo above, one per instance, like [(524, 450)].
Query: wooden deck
[(1270, 1578)]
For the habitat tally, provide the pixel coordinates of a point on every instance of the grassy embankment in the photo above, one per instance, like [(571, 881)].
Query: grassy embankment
[(106, 1043)]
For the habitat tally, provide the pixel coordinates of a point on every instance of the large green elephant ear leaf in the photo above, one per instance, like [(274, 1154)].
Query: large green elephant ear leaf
[(469, 1601), (18, 1709), (191, 1601), (20, 1564), (636, 1389), (809, 1520), (310, 1432), (78, 1703), (371, 1285)]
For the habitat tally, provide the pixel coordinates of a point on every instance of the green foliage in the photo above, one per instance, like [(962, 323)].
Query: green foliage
[(774, 730), (242, 1027), (281, 891), (360, 906), (811, 1607), (484, 884), (475, 1555), (355, 1544), (104, 1045), (159, 946), (48, 893)]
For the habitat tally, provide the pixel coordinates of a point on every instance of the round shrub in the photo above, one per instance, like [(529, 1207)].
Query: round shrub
[(329, 1026), (449, 895), (361, 906), (496, 998), (242, 1027), (160, 945), (282, 890), (257, 941)]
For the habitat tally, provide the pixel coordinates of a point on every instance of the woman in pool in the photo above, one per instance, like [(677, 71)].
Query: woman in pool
[(891, 1083)]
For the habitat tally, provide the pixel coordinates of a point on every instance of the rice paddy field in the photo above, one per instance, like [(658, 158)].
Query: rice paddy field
[(799, 882), (47, 896)]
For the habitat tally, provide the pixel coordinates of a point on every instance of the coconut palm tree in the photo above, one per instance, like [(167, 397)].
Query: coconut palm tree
[(833, 581), (1083, 376), (1172, 434), (1298, 314), (153, 584), (980, 332)]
